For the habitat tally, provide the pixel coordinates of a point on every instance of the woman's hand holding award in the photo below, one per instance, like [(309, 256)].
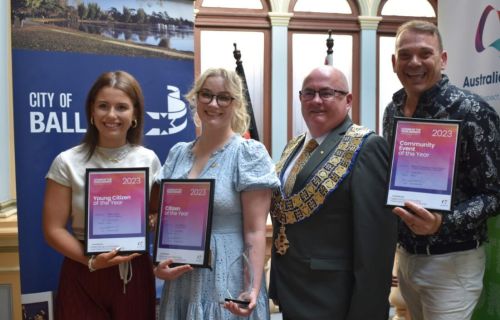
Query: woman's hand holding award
[(240, 280)]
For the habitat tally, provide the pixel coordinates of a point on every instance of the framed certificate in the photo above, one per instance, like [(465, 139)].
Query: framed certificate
[(423, 163), (185, 221), (116, 208)]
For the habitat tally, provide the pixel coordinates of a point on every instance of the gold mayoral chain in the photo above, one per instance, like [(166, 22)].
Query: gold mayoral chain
[(301, 205)]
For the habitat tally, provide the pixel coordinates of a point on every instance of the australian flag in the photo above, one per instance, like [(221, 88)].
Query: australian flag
[(252, 130)]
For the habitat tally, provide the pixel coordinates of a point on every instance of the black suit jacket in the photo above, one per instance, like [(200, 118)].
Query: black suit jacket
[(340, 259)]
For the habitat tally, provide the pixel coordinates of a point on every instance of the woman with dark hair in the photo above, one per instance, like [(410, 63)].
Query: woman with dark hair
[(107, 285)]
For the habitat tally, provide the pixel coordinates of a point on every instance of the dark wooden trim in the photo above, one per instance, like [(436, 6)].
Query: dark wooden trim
[(307, 21), (266, 137), (242, 19)]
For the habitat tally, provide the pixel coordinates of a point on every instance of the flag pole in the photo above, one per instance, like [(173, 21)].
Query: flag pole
[(252, 130), (329, 51)]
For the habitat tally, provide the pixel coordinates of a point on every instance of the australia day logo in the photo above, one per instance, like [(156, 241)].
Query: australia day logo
[(488, 13), (174, 120)]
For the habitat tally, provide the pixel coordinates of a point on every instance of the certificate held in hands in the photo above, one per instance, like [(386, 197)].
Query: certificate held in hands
[(116, 210), (423, 163), (185, 221)]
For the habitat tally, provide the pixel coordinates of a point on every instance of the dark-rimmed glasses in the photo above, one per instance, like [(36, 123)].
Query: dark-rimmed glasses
[(223, 100), (324, 94)]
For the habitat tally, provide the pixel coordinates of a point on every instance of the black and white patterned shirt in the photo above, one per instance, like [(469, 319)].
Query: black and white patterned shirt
[(477, 189)]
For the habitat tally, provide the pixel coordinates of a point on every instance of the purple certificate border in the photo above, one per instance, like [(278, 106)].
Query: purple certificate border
[(452, 161), (141, 188), (168, 184)]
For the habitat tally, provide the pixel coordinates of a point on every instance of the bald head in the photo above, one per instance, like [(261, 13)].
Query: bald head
[(331, 72)]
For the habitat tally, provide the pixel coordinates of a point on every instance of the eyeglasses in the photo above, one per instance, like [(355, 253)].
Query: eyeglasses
[(223, 100), (324, 94)]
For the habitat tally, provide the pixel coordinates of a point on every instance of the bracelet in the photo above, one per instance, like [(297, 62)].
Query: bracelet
[(90, 264)]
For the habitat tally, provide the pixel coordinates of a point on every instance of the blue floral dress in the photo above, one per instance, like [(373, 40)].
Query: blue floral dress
[(239, 165)]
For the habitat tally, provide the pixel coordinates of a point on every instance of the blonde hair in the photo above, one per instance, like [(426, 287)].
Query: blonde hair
[(233, 85)]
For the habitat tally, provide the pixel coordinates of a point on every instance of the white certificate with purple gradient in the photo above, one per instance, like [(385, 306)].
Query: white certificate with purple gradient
[(185, 220), (116, 210), (423, 163)]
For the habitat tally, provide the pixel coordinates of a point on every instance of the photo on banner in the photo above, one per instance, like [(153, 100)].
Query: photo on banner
[(38, 306), (59, 48)]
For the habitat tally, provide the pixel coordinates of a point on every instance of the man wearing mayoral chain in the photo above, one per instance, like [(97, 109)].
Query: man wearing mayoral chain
[(334, 239)]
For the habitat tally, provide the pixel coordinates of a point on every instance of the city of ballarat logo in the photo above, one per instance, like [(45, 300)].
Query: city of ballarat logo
[(174, 120)]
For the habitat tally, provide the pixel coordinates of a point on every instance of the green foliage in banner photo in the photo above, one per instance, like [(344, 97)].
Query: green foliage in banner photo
[(488, 307)]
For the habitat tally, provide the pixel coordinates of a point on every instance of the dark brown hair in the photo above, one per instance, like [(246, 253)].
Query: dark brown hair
[(125, 82)]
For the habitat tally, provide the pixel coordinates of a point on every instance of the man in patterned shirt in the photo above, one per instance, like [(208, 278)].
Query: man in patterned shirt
[(441, 257)]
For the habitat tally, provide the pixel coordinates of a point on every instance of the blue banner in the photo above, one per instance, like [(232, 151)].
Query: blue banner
[(50, 88), (49, 98)]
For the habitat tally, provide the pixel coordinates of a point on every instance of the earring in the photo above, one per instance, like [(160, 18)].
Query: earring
[(92, 121), (134, 123)]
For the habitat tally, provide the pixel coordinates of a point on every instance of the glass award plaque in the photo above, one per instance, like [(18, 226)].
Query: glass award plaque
[(240, 280)]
